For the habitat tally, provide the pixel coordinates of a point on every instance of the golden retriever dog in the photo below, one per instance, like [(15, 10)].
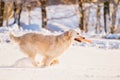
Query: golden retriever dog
[(48, 46)]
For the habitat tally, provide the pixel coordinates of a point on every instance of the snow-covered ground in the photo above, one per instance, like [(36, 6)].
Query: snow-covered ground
[(77, 63), (99, 60)]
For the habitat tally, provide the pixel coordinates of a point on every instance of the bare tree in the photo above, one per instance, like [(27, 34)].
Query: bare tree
[(113, 27), (17, 12), (1, 12), (43, 13), (29, 9), (7, 4), (15, 15), (86, 19), (99, 27), (81, 23), (106, 13)]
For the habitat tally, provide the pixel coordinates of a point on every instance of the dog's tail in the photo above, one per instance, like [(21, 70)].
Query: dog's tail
[(14, 38)]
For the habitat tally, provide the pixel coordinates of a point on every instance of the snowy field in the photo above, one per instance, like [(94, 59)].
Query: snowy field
[(99, 60), (77, 63)]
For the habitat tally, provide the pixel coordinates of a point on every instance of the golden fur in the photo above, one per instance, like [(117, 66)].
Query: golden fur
[(49, 46)]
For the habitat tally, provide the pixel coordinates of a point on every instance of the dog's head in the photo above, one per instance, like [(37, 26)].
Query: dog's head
[(76, 36)]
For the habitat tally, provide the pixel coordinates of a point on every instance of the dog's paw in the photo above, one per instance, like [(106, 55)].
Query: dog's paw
[(54, 62)]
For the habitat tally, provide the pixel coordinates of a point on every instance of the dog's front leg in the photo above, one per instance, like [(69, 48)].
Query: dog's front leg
[(46, 61), (55, 61), (34, 62)]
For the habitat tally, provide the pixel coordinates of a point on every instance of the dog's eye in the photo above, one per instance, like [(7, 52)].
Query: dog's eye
[(77, 33), (83, 37)]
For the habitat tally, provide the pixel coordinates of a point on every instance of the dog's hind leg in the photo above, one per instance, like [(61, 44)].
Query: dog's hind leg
[(30, 54)]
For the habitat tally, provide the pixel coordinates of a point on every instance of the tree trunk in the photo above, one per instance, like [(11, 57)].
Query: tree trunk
[(113, 26), (1, 12), (86, 21), (7, 13), (81, 23), (29, 7), (43, 13), (17, 13), (114, 11), (99, 27), (106, 13)]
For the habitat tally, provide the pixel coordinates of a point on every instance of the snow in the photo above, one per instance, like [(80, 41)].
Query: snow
[(98, 60), (77, 63)]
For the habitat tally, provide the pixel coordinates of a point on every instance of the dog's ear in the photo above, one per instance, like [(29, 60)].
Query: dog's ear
[(69, 33)]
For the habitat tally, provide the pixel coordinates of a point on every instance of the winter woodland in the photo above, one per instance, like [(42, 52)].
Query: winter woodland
[(97, 20)]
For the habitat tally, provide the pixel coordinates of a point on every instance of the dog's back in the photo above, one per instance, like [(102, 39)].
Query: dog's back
[(42, 43)]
